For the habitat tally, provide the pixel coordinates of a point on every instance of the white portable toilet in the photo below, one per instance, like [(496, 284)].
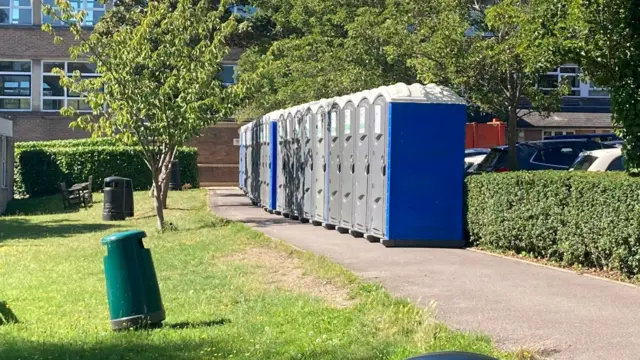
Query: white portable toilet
[(336, 162), (320, 111)]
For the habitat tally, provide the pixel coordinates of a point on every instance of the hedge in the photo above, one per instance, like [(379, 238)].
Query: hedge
[(39, 167), (576, 218)]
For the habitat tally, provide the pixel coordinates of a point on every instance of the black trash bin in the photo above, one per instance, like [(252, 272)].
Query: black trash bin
[(118, 198), (174, 183)]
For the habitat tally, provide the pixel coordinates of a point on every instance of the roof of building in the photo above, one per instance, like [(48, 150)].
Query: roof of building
[(566, 120)]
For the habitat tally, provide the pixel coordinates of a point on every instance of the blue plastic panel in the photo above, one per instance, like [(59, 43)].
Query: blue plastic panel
[(425, 176)]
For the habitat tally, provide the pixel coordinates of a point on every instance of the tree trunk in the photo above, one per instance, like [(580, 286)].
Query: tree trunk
[(512, 140), (166, 177), (157, 195)]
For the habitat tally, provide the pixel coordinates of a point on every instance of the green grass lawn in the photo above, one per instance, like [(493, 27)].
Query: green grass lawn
[(229, 292)]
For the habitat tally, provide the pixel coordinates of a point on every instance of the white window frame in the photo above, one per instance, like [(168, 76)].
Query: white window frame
[(558, 132), (66, 97), (84, 7), (30, 74), (584, 87), (235, 72), (13, 7), (4, 149)]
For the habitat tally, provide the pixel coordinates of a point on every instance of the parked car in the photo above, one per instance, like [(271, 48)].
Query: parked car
[(475, 152), (539, 155), (471, 162), (595, 137), (616, 143), (599, 160)]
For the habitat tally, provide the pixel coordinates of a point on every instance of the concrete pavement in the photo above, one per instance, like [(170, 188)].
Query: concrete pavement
[(560, 313)]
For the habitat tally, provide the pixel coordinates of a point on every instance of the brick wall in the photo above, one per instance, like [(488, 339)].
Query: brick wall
[(38, 126), (218, 158), (29, 42)]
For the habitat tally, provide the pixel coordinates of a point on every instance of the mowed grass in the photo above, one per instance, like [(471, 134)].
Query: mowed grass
[(229, 292)]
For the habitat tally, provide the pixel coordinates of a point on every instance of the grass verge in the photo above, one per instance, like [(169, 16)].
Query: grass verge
[(229, 292)]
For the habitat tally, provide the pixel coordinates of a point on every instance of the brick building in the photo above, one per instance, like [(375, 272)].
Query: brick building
[(31, 96)]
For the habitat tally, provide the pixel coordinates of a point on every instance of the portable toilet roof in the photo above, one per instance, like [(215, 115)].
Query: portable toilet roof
[(416, 93), (324, 103)]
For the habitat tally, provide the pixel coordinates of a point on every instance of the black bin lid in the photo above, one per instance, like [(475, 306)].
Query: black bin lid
[(116, 179)]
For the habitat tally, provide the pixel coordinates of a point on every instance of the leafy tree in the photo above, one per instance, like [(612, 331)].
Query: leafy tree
[(159, 83), (610, 49), (494, 55), (314, 49)]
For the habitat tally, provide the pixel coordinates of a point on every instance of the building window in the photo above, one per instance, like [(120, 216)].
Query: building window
[(18, 12), (572, 74), (228, 74), (546, 133), (95, 11), (15, 85), (3, 166), (54, 95), (244, 11)]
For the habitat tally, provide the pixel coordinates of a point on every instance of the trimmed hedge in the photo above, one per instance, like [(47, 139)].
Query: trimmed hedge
[(39, 167), (575, 218)]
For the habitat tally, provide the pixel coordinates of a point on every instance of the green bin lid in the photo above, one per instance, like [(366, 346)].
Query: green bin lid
[(124, 236)]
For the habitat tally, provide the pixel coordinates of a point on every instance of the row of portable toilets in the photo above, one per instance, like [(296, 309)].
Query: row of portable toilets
[(384, 164)]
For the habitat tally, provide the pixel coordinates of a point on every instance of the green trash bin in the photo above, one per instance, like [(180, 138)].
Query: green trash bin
[(132, 285)]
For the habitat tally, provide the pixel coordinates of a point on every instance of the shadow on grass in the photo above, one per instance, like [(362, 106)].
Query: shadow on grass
[(6, 314), (21, 228), (129, 346), (197, 324), (48, 205)]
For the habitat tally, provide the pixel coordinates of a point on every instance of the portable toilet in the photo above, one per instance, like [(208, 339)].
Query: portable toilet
[(424, 177), (272, 159), (320, 112), (348, 139), (241, 170), (290, 187), (308, 136), (336, 162), (282, 160)]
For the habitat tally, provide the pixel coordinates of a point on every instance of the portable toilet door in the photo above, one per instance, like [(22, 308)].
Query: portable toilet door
[(247, 183), (362, 167), (265, 163), (334, 190), (260, 188), (376, 198), (300, 165), (308, 136), (241, 159), (320, 163), (289, 168), (348, 139), (273, 163), (282, 138)]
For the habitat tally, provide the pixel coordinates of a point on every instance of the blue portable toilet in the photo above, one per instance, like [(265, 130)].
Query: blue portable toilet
[(273, 165), (396, 157)]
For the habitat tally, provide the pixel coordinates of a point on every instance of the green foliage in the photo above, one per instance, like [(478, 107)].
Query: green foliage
[(39, 167), (576, 218), (316, 49), (610, 49)]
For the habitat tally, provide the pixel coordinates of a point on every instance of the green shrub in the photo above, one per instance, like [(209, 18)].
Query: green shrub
[(576, 218), (39, 167)]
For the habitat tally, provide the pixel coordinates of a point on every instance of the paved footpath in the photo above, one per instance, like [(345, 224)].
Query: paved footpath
[(566, 315)]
